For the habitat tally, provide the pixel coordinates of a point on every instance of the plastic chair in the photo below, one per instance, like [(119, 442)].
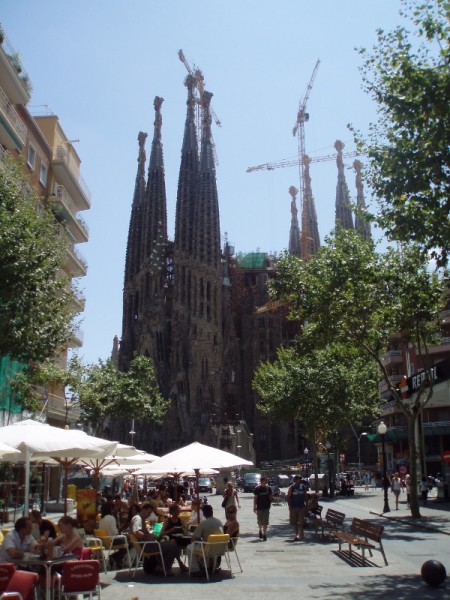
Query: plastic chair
[(112, 543), (86, 554), (215, 546), (24, 583), (79, 577), (95, 544), (6, 572), (145, 550), (232, 548)]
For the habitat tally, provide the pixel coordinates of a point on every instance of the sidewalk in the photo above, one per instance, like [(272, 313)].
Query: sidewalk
[(434, 516)]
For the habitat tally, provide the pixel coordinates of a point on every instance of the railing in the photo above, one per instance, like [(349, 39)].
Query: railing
[(62, 154), (15, 120), (16, 63), (63, 195)]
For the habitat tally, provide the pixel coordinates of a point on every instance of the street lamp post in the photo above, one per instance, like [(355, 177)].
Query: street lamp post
[(306, 452), (359, 455), (330, 474), (382, 429), (132, 432)]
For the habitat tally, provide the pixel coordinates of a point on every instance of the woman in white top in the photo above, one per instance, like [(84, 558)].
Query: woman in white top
[(396, 487), (109, 525)]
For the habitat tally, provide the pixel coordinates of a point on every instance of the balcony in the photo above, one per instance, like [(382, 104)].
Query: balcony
[(66, 172), (393, 357), (15, 80), (76, 339), (67, 210), (13, 132), (76, 263), (394, 379)]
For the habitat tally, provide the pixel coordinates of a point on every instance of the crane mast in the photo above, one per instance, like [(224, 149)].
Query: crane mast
[(299, 131)]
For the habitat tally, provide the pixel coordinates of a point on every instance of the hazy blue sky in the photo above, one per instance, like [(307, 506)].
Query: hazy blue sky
[(98, 64)]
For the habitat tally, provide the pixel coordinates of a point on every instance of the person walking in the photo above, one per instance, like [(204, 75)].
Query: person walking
[(296, 499), (262, 500), (396, 488), (423, 489), (230, 497)]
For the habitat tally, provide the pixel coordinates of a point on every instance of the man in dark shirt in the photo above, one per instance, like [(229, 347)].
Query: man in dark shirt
[(46, 528), (262, 499)]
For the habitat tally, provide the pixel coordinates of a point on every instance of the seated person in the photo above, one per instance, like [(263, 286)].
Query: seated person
[(209, 526), (45, 528), (109, 525), (173, 523), (231, 525), (139, 528), (18, 541), (69, 539), (196, 513)]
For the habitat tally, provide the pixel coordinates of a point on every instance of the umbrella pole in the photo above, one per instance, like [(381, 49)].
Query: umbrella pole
[(26, 501), (197, 491)]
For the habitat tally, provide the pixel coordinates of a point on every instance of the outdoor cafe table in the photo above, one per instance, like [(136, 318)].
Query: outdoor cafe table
[(48, 563)]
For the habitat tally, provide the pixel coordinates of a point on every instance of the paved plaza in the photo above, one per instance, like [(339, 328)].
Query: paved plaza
[(313, 569)]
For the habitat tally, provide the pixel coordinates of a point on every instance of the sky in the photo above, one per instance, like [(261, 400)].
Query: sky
[(98, 64)]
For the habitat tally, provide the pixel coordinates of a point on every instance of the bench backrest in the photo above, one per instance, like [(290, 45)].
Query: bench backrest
[(367, 529), (334, 516)]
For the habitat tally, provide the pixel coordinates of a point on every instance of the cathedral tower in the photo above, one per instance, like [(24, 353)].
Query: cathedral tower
[(344, 217)]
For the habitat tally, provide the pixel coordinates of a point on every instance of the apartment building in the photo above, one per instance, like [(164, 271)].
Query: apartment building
[(52, 165)]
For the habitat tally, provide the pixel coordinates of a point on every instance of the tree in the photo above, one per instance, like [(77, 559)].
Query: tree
[(106, 392), (35, 303), (324, 388), (408, 76), (350, 294)]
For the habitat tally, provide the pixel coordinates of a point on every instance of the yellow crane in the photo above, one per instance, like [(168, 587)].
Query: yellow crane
[(296, 161)]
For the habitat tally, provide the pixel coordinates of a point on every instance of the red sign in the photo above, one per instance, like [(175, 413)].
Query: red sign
[(446, 456)]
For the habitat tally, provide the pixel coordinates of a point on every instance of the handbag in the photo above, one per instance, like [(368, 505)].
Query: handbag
[(224, 502)]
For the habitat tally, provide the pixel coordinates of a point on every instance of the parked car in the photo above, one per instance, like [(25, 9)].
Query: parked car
[(205, 485), (251, 480)]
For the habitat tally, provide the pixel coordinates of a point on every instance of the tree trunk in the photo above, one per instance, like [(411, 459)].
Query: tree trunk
[(414, 500)]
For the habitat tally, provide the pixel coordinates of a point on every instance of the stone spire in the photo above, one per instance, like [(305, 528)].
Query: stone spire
[(187, 179), (133, 262), (344, 216), (361, 225), (294, 232), (310, 241), (133, 254), (206, 247), (154, 209)]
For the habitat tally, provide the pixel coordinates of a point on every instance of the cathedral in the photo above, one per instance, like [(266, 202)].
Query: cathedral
[(198, 310)]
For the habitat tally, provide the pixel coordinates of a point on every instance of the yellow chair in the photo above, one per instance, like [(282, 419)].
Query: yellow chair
[(215, 546), (232, 548), (95, 544), (145, 550), (112, 543)]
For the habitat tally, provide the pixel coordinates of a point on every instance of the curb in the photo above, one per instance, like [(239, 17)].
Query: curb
[(411, 523)]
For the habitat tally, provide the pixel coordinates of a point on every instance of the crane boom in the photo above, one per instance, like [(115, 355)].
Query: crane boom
[(294, 162)]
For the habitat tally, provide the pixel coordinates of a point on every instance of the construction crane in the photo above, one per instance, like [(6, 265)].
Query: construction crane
[(294, 162), (199, 83), (299, 131)]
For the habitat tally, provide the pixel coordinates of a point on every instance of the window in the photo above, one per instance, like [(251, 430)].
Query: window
[(31, 156), (43, 171)]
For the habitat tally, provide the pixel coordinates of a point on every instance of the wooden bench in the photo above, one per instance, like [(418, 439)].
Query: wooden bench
[(360, 533), (332, 521)]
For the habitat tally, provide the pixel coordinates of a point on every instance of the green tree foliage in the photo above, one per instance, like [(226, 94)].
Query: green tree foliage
[(106, 392), (350, 294), (324, 388), (35, 309), (408, 76)]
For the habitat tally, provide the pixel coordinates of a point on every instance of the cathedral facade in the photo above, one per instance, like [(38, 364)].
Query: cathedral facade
[(197, 310)]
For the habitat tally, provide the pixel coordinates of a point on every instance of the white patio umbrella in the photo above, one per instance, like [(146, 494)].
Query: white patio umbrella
[(8, 452), (195, 457), (37, 441), (125, 457)]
